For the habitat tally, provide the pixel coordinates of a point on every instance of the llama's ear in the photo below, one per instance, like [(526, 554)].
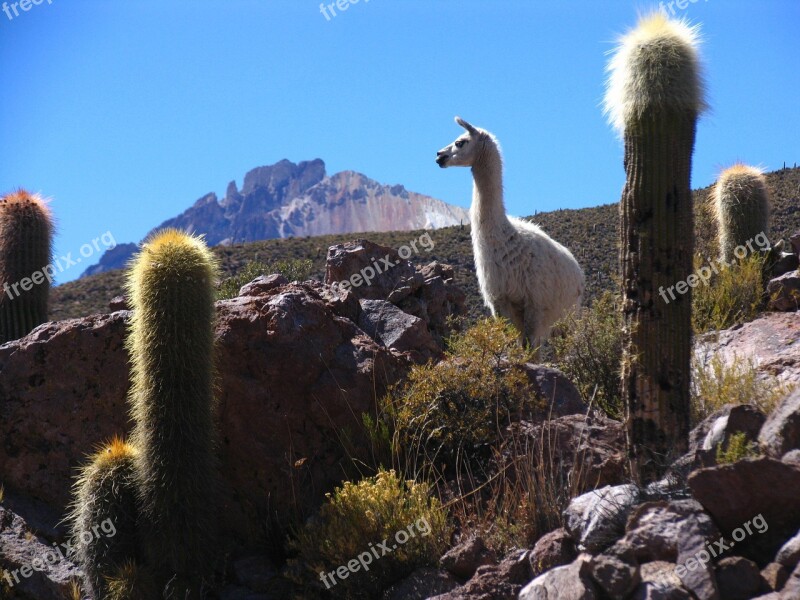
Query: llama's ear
[(466, 125)]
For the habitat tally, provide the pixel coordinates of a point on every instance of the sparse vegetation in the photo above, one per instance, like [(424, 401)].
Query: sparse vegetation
[(358, 517), (587, 347), (294, 269), (716, 383), (732, 296), (453, 413), (737, 449)]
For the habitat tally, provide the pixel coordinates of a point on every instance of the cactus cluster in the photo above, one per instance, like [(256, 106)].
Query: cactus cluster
[(160, 488), (741, 206), (655, 95), (26, 238)]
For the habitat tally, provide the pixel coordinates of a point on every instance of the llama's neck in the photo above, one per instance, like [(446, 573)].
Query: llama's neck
[(488, 209)]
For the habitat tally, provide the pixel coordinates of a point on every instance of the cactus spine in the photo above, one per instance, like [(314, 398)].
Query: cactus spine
[(654, 97), (104, 515), (26, 238), (171, 286), (741, 205)]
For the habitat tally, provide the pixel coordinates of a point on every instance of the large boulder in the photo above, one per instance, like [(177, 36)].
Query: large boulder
[(781, 432), (754, 502), (597, 519), (292, 376)]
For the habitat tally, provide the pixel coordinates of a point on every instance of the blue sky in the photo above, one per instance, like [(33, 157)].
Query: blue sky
[(126, 112)]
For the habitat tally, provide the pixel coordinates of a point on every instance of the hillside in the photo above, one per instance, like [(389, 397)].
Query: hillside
[(591, 233)]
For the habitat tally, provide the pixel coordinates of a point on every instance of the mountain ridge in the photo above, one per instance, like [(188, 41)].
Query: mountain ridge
[(289, 199)]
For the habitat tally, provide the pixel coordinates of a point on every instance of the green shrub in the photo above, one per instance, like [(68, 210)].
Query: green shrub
[(361, 520), (732, 296), (294, 269), (738, 448), (716, 383), (453, 413), (587, 347)]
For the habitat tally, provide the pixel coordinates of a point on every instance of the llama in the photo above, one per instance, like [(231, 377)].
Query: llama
[(524, 275)]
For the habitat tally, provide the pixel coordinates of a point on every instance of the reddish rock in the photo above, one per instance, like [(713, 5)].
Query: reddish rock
[(553, 549), (263, 284), (292, 376), (495, 582), (738, 578), (774, 575), (784, 292), (659, 582), (464, 559), (615, 574), (750, 489), (422, 584)]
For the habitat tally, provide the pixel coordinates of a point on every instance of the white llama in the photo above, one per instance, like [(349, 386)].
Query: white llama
[(524, 275)]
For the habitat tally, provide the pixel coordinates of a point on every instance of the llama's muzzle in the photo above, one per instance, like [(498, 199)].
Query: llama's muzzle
[(441, 159)]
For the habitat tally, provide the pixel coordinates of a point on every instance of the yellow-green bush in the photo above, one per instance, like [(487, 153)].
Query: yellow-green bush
[(738, 448), (293, 269), (452, 413), (358, 518), (731, 296), (716, 383), (587, 347)]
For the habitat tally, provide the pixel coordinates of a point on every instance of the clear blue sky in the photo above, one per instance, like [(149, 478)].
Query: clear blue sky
[(126, 112)]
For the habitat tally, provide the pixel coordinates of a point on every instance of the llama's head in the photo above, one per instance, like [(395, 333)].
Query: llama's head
[(466, 149)]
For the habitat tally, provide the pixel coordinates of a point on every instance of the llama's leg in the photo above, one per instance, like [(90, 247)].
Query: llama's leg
[(534, 332)]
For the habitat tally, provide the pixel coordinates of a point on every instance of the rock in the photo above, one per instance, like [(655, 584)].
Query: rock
[(596, 519), (422, 584), (757, 493), (659, 582), (615, 575), (771, 341), (789, 554), (464, 559), (774, 575), (263, 284), (553, 549), (495, 582), (716, 430), (784, 292), (428, 293), (785, 262), (560, 395), (675, 532), (791, 589), (292, 376), (792, 457), (570, 582), (781, 432), (35, 566), (738, 578), (588, 450), (118, 303), (395, 329)]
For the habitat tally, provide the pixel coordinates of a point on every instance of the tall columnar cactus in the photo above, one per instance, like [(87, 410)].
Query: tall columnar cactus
[(171, 287), (654, 97), (741, 205), (26, 238), (104, 516)]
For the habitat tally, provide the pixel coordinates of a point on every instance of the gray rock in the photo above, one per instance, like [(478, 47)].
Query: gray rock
[(789, 554), (659, 582), (395, 329), (781, 432), (421, 584), (263, 284), (616, 576), (570, 582), (596, 520)]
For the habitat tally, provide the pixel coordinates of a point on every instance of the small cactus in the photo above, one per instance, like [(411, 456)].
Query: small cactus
[(171, 288), (741, 205), (104, 515), (26, 238), (131, 582)]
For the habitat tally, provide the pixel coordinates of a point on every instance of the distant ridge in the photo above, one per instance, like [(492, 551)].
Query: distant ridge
[(293, 200)]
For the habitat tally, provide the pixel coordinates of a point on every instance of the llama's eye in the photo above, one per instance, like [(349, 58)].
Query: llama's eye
[(460, 143)]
